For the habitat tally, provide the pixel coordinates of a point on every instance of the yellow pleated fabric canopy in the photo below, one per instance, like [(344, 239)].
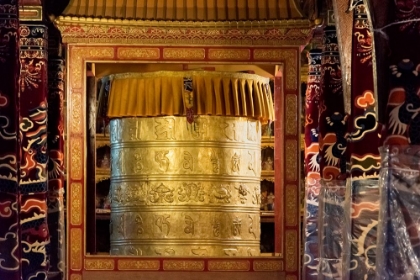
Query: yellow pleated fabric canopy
[(214, 93)]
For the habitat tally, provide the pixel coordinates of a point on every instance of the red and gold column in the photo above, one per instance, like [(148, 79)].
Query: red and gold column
[(33, 174), (9, 104), (363, 149), (312, 170), (397, 26), (333, 161), (56, 76)]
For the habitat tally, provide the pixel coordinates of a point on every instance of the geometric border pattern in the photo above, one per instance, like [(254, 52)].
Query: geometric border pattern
[(288, 240), (271, 33)]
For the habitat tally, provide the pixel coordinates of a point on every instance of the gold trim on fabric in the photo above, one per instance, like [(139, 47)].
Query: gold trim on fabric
[(214, 93), (190, 74)]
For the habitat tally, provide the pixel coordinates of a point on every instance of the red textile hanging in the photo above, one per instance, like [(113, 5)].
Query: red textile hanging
[(312, 169), (56, 74), (33, 177), (10, 251)]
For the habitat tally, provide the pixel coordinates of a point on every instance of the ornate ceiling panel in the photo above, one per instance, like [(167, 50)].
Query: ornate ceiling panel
[(186, 10)]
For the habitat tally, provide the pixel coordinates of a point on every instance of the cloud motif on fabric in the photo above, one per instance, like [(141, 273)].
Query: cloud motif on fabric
[(363, 125), (26, 124), (365, 100)]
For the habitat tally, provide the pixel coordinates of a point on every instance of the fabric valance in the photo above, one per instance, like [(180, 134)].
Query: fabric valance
[(163, 93)]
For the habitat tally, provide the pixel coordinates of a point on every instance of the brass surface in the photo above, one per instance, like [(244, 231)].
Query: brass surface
[(185, 189)]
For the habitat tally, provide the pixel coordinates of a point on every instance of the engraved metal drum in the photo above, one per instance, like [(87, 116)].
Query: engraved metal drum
[(182, 189)]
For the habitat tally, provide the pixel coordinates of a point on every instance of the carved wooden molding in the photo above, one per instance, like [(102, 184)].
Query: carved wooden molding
[(78, 56), (245, 33), (30, 12)]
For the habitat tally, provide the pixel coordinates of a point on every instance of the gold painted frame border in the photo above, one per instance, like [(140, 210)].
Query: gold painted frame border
[(286, 159), (88, 30)]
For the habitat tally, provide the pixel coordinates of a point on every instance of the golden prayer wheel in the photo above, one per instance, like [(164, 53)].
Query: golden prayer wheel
[(186, 187)]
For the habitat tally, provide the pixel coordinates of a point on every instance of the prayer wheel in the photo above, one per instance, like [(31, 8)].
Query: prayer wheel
[(187, 182)]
